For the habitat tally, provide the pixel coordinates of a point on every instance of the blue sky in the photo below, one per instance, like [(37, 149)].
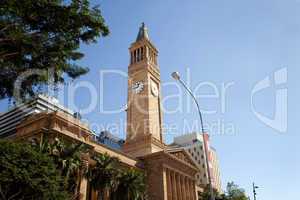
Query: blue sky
[(233, 42)]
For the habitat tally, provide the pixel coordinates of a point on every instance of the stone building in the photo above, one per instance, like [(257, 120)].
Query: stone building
[(171, 173)]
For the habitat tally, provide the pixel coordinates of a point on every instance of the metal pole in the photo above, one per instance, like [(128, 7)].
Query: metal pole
[(254, 191), (212, 197)]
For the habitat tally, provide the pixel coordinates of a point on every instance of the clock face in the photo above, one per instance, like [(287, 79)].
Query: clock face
[(154, 89), (137, 87)]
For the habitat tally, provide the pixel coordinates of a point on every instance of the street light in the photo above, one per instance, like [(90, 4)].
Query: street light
[(176, 76)]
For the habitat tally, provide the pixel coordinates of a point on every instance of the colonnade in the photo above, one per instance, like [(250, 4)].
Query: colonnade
[(179, 186)]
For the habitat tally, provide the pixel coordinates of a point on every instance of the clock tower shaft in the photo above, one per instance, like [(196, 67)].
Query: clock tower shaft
[(144, 115)]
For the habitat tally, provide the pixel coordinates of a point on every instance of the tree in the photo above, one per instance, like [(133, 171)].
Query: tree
[(205, 195), (28, 174), (39, 35), (102, 176), (233, 192), (131, 185), (68, 160)]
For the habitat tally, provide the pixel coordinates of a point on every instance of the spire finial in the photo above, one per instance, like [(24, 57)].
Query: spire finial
[(143, 33)]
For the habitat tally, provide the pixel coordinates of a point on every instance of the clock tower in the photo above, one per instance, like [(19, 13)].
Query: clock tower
[(144, 115)]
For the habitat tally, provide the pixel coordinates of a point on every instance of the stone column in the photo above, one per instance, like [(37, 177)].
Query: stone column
[(169, 184), (192, 190), (182, 183), (178, 187), (174, 185), (84, 181), (187, 186), (83, 188), (165, 184), (94, 194)]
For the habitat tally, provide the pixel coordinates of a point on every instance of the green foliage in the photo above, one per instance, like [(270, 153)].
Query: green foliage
[(67, 158), (131, 186), (102, 176), (28, 174), (206, 194), (233, 192), (44, 35), (107, 176), (52, 170)]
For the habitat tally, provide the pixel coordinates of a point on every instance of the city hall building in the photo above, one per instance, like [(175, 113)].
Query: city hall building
[(171, 171)]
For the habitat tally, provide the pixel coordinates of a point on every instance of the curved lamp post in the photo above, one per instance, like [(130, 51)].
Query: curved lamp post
[(176, 76)]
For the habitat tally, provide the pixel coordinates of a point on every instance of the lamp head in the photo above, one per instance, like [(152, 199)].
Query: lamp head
[(176, 76)]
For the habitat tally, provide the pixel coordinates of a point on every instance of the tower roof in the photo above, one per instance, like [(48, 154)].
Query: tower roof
[(143, 33)]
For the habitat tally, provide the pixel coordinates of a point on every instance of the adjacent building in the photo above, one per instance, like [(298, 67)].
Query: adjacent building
[(193, 144), (41, 103)]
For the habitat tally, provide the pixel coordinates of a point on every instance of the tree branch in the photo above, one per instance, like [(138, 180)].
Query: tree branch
[(13, 196), (9, 55)]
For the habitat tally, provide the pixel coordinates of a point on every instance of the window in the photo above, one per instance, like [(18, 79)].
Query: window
[(138, 55), (134, 53), (142, 53)]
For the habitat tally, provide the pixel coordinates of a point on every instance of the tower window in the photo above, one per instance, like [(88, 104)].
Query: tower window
[(142, 53), (134, 56), (138, 55)]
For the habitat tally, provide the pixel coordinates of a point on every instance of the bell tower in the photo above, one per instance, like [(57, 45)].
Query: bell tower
[(144, 115)]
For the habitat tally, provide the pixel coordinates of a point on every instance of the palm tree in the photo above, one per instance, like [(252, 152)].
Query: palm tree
[(131, 186), (102, 176), (68, 158)]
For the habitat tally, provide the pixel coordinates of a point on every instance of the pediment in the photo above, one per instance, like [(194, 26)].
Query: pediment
[(182, 155)]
